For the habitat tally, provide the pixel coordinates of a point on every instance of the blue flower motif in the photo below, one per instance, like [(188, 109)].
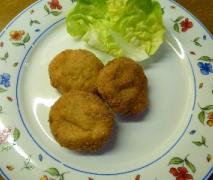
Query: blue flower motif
[(37, 30), (5, 79), (205, 68), (40, 157)]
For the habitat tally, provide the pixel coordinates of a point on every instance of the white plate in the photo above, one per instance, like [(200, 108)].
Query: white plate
[(174, 132)]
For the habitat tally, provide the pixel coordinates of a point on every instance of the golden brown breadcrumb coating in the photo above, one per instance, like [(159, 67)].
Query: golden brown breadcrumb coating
[(75, 70), (81, 121), (123, 84)]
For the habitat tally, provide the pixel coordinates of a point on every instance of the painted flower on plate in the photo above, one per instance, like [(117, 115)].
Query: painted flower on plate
[(5, 79), (54, 4), (16, 35), (210, 119), (205, 68), (186, 24), (181, 173), (4, 134)]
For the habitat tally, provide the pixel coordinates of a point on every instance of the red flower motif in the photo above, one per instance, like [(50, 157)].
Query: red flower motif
[(138, 177), (16, 35), (186, 24), (181, 173), (210, 119), (210, 116), (54, 4)]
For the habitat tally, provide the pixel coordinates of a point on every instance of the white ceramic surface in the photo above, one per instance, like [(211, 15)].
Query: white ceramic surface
[(173, 132)]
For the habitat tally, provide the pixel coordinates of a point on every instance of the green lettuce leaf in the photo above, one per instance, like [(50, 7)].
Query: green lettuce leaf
[(132, 28)]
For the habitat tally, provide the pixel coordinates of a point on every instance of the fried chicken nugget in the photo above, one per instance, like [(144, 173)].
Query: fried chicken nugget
[(123, 84), (81, 121), (75, 69)]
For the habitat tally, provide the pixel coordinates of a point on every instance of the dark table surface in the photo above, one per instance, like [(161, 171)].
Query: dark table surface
[(202, 9)]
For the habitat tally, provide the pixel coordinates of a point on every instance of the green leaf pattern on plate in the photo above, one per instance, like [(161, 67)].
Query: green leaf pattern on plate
[(205, 58), (176, 160), (46, 9), (190, 165), (176, 27), (16, 134), (201, 116), (26, 38), (28, 163), (2, 89), (34, 22), (196, 41), (200, 143), (52, 171), (55, 13), (5, 57), (206, 113), (178, 19), (55, 173)]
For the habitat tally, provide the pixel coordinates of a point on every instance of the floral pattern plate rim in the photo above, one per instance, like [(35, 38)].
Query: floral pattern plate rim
[(17, 41)]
